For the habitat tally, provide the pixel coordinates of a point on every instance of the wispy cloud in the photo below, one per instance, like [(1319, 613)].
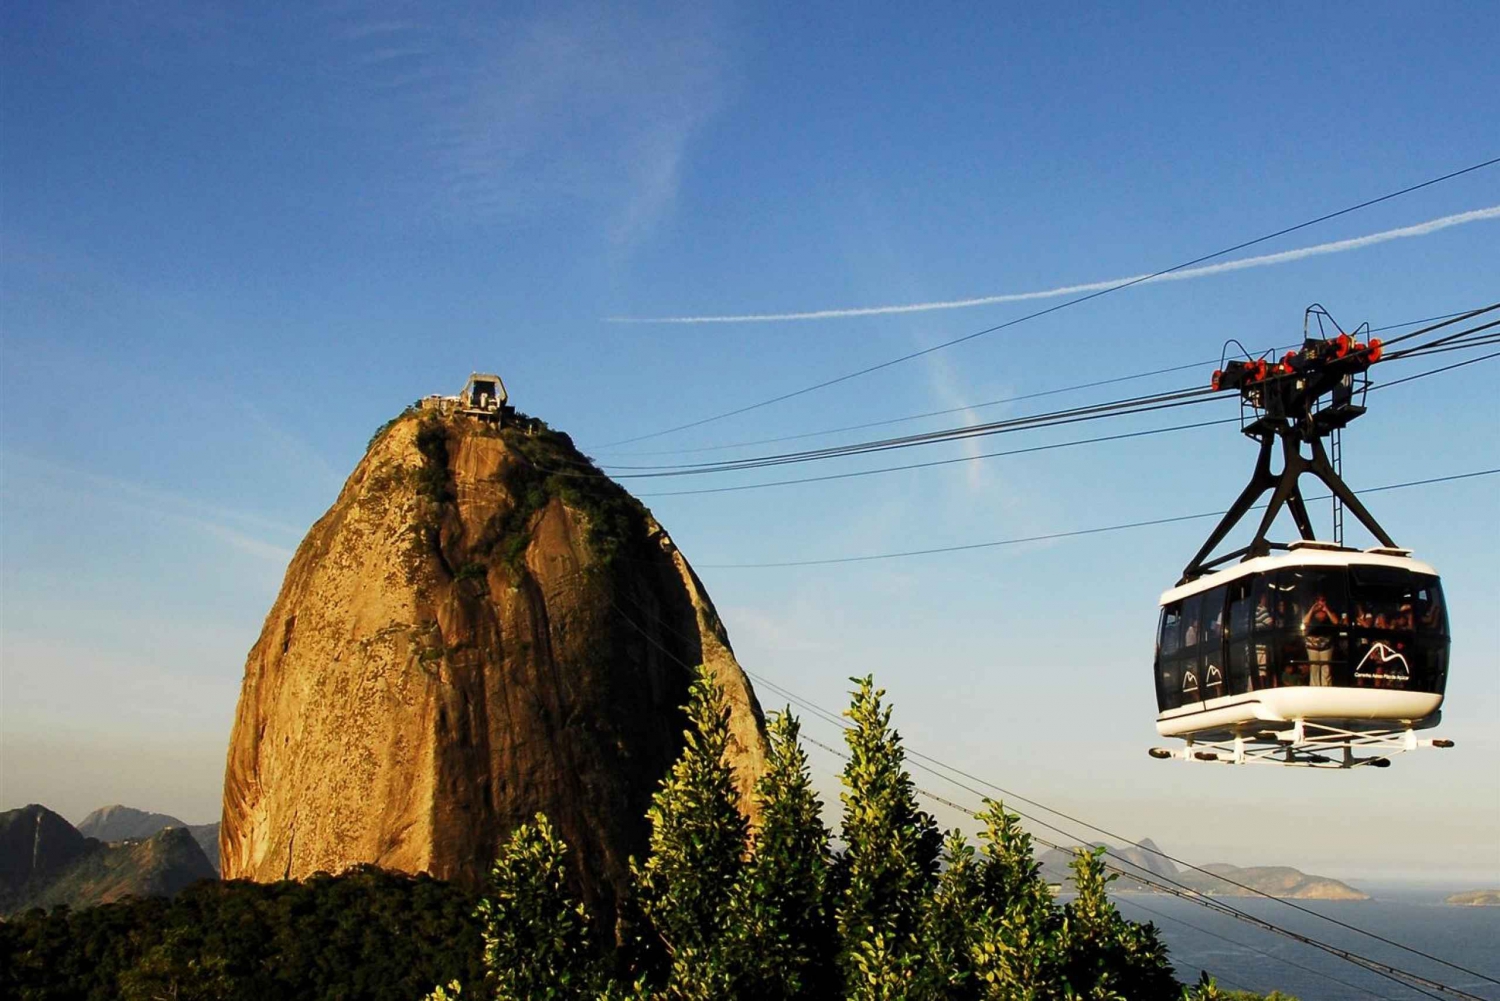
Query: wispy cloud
[(584, 107), (1263, 260), (240, 530)]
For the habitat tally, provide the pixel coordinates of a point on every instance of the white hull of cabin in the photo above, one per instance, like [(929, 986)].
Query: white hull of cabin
[(1278, 708)]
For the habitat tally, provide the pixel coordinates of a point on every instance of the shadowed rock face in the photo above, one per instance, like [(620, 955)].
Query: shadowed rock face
[(479, 629)]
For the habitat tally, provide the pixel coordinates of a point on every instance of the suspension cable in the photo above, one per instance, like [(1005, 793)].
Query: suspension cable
[(1390, 972), (826, 383)]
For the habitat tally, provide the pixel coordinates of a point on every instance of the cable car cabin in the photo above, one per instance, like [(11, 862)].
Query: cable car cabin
[(1327, 635)]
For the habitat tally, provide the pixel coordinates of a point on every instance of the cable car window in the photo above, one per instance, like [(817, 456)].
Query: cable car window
[(1211, 643), (1190, 622), (1170, 639), (1169, 658), (1263, 622), (1399, 630), (1191, 672), (1319, 628), (1432, 614), (1241, 648)]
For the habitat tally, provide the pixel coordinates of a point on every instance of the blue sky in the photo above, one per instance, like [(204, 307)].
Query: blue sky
[(232, 244)]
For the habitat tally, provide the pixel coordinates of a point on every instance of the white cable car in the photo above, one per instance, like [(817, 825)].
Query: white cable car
[(1322, 652)]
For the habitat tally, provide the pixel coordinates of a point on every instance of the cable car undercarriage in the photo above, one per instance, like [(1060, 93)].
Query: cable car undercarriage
[(1311, 654)]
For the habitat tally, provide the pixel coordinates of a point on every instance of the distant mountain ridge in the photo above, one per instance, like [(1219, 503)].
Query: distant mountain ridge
[(121, 823), (116, 823), (45, 861), (1217, 879)]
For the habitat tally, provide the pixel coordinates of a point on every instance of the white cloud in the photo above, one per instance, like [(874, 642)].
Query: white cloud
[(1264, 260)]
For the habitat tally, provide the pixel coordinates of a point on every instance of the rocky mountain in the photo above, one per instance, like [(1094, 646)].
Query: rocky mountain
[(1475, 898), (36, 845), (480, 628), (118, 823), (1218, 878), (207, 836), (1276, 880), (45, 861)]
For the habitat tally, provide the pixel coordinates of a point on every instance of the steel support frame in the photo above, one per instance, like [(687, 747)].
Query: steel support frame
[(1285, 493), (1306, 745)]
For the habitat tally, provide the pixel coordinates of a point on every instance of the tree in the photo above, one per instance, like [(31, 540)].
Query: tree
[(1207, 990), (890, 863), (1106, 956), (536, 936), (697, 854), (1088, 928), (1016, 941), (173, 970), (952, 922), (782, 911)]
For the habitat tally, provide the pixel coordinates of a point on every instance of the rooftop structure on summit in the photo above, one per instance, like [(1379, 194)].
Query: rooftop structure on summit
[(483, 397)]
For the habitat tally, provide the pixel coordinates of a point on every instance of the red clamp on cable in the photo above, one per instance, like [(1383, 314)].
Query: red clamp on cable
[(1215, 382), (1376, 349)]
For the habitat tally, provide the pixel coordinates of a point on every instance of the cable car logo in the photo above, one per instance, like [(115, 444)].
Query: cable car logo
[(1383, 662)]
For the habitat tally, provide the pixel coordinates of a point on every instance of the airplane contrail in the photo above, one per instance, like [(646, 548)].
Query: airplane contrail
[(1335, 247)]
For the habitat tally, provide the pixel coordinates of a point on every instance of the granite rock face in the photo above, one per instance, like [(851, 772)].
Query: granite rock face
[(481, 627)]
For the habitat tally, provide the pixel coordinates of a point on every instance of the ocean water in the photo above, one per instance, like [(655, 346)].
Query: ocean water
[(1249, 958)]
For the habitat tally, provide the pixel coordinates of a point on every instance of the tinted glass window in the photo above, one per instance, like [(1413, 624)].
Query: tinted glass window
[(1399, 630), (1210, 660), (1263, 625), (1170, 638), (1169, 658), (1241, 650), (1316, 631), (1190, 621)]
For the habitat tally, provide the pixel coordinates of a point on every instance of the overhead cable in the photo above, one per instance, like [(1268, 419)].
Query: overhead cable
[(992, 403), (1468, 345), (1435, 371), (1165, 884), (1052, 418), (1057, 535), (941, 462), (1367, 963), (1185, 396), (1012, 797), (1132, 902), (867, 370)]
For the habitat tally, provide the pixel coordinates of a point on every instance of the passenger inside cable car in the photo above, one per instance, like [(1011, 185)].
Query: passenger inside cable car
[(1362, 626)]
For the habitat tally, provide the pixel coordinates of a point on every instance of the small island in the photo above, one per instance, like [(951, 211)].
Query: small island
[(1143, 868), (1475, 898)]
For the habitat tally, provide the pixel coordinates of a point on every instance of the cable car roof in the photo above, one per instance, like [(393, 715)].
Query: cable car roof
[(1300, 556)]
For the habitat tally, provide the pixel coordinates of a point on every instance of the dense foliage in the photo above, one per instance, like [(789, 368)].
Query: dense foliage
[(720, 910), (726, 911), (365, 934)]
